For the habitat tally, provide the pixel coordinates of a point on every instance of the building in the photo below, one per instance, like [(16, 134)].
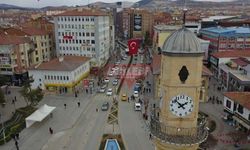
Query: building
[(42, 40), (213, 21), (239, 80), (177, 124), (14, 57), (156, 70), (237, 107), (161, 33), (230, 38), (223, 57), (60, 75), (84, 32)]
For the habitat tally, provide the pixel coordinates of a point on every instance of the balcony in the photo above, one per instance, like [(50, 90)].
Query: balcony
[(179, 136)]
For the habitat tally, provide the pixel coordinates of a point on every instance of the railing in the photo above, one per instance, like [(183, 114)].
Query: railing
[(181, 136)]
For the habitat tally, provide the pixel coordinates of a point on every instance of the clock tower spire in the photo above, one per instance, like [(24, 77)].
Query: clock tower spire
[(177, 127)]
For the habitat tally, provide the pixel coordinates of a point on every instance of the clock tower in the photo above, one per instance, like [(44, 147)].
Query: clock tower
[(178, 126)]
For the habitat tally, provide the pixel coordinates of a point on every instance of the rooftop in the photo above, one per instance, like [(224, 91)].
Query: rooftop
[(25, 31), (68, 63), (228, 30), (214, 18), (7, 40), (233, 53), (243, 98), (241, 61), (167, 27), (83, 12), (241, 76), (182, 41)]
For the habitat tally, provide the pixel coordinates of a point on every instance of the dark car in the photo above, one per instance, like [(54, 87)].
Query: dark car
[(105, 106)]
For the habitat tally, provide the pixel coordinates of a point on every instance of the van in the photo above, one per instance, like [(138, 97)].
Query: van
[(137, 107)]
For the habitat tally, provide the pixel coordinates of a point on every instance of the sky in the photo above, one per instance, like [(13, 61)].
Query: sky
[(43, 3)]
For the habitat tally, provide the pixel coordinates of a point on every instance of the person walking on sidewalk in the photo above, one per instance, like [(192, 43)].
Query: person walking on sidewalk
[(50, 130)]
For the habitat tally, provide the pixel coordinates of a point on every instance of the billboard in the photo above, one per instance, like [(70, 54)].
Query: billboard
[(137, 22)]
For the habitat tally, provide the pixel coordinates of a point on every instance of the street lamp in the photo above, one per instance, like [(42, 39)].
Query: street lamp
[(3, 129)]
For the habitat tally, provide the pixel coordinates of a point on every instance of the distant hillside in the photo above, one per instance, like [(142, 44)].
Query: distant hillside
[(6, 6)]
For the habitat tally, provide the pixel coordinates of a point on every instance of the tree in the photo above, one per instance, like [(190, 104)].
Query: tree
[(2, 98), (4, 80), (31, 96)]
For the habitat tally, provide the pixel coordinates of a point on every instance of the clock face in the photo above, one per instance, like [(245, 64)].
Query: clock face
[(181, 105)]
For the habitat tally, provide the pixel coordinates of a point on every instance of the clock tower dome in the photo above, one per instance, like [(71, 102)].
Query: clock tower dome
[(177, 126)]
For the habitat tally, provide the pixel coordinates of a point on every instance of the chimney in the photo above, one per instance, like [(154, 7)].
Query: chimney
[(61, 58)]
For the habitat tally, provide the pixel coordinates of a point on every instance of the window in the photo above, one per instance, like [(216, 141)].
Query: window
[(45, 77), (60, 77), (92, 41), (92, 34), (37, 59), (64, 78), (57, 77), (240, 109), (87, 34), (67, 77), (228, 104)]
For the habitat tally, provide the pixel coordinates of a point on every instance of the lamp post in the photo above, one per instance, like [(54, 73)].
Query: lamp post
[(3, 129)]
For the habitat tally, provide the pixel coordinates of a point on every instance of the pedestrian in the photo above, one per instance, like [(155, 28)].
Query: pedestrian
[(13, 136), (16, 143), (65, 105), (78, 103), (128, 99), (87, 91), (17, 136), (15, 98), (150, 136), (13, 101), (50, 130), (96, 109), (149, 89), (75, 94)]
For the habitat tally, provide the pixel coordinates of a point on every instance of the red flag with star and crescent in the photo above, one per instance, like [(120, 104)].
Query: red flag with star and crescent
[(133, 45)]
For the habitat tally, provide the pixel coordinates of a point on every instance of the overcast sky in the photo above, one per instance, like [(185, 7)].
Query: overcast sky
[(42, 3)]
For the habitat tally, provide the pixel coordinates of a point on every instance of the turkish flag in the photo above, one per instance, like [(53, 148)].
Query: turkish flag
[(133, 45)]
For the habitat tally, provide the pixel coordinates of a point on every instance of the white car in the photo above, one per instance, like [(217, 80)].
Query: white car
[(109, 92), (106, 80), (136, 94), (137, 107), (111, 74)]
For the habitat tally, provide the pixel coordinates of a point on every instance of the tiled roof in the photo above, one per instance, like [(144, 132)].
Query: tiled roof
[(206, 71), (6, 40), (25, 31), (83, 12), (156, 64), (241, 61), (68, 63), (243, 98), (233, 53), (34, 31)]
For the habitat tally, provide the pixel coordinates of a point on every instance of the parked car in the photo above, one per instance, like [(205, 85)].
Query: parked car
[(105, 106), (136, 94), (102, 89), (109, 92), (106, 80), (115, 82), (111, 74)]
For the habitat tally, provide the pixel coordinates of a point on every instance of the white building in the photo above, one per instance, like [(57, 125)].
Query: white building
[(61, 74), (84, 32), (237, 105)]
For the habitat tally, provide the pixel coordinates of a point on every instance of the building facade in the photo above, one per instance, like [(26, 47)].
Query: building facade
[(84, 32), (60, 75), (14, 57), (230, 38), (237, 107)]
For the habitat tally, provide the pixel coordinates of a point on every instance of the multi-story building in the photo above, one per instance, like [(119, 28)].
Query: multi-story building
[(236, 105), (217, 59), (43, 50), (231, 38), (84, 32), (14, 57), (60, 75)]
